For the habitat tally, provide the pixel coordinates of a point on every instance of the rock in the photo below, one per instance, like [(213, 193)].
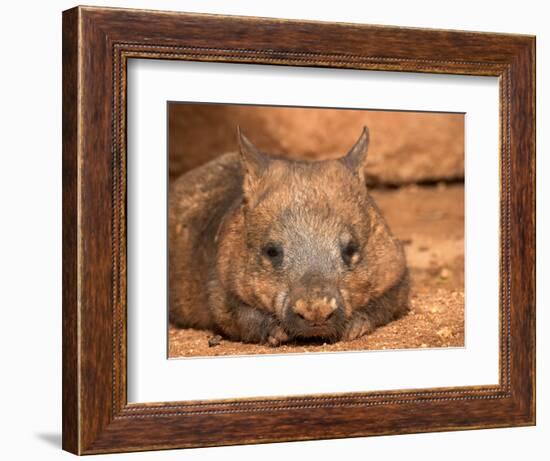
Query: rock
[(406, 147), (214, 341)]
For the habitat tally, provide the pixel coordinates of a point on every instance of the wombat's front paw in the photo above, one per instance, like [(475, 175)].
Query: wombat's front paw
[(276, 336), (358, 326)]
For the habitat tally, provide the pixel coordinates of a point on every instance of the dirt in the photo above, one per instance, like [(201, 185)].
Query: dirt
[(430, 222)]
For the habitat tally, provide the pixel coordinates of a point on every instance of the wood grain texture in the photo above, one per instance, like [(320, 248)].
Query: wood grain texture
[(70, 383), (97, 43)]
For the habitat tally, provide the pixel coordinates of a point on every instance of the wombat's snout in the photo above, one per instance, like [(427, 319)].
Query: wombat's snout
[(315, 303), (316, 311)]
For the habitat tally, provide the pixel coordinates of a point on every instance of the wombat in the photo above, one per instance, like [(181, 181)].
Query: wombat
[(268, 250)]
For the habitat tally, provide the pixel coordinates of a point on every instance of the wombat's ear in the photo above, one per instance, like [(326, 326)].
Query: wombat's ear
[(253, 161), (357, 156)]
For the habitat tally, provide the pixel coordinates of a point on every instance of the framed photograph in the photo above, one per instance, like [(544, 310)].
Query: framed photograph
[(284, 230)]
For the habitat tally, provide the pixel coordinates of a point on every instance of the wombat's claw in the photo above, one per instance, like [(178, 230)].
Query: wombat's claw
[(276, 337), (358, 327)]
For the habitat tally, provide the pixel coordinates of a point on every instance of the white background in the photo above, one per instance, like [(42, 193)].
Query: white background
[(152, 378), (30, 243)]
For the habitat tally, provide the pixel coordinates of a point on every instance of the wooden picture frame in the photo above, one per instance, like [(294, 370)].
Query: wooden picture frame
[(97, 43)]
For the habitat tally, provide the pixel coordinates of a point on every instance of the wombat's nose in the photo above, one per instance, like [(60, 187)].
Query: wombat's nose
[(316, 310)]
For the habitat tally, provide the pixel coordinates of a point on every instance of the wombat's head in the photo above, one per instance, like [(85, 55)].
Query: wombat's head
[(304, 228)]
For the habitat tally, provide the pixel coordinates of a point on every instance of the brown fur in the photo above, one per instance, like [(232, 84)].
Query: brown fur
[(268, 250)]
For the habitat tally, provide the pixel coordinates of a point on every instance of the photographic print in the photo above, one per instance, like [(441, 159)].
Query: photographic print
[(269, 233), (296, 230)]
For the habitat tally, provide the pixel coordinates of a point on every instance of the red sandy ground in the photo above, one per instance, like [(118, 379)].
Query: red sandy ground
[(430, 222)]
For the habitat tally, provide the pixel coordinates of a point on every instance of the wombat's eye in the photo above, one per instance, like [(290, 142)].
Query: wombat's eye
[(350, 253), (274, 253)]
